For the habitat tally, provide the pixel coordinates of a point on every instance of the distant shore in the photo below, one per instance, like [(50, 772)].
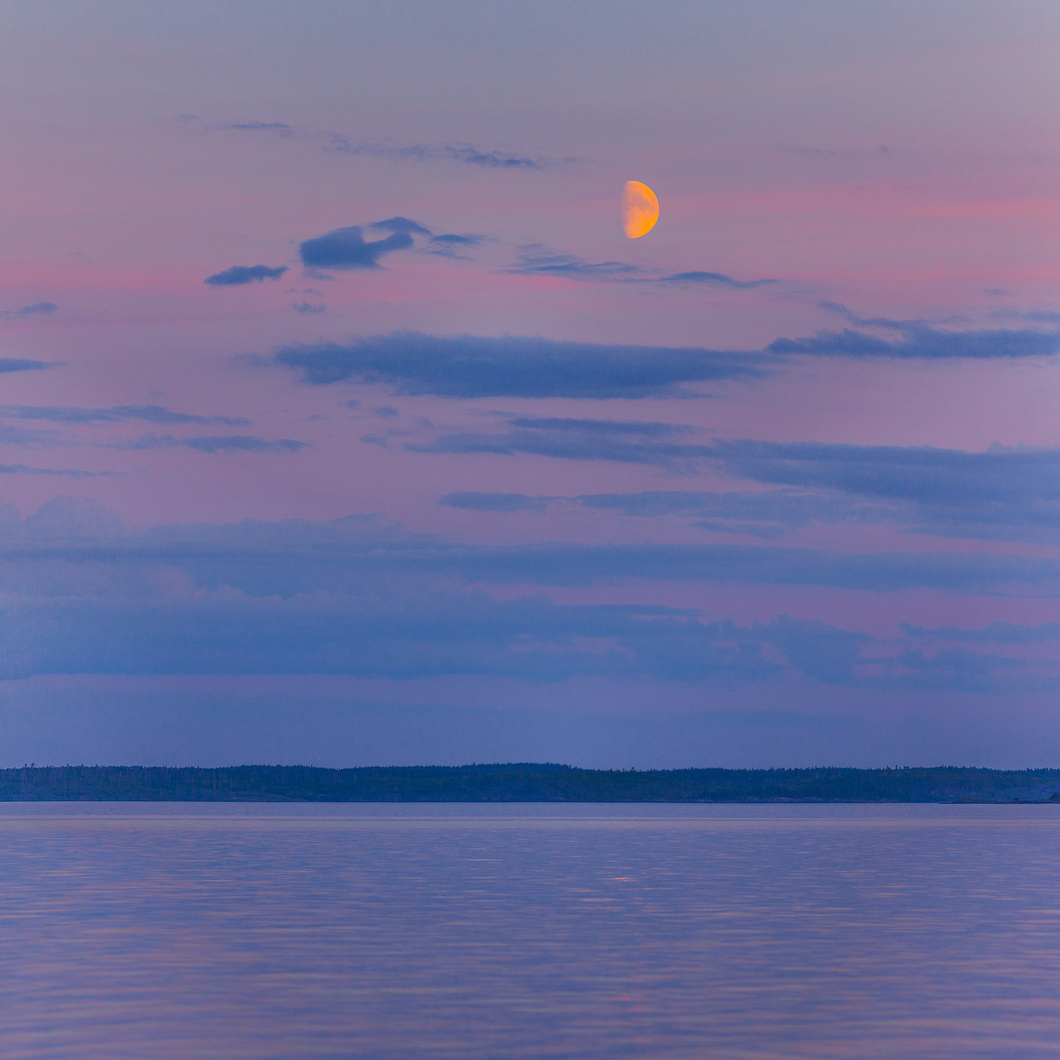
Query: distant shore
[(524, 782)]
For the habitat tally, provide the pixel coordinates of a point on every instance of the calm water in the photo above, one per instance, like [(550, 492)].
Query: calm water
[(177, 931)]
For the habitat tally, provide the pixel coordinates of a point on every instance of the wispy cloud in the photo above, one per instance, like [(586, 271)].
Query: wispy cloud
[(461, 153), (458, 152), (712, 279), (537, 260), (75, 473), (998, 494), (449, 245), (918, 340), (992, 633), (239, 275), (470, 366), (619, 441), (226, 443), (496, 502), (114, 414), (37, 309)]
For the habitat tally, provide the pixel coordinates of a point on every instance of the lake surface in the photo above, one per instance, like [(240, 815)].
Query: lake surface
[(530, 931)]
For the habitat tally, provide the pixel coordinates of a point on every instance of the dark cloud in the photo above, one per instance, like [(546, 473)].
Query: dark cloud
[(958, 669), (495, 502), (346, 248), (238, 275), (21, 364), (470, 366), (829, 654), (748, 564), (348, 555), (114, 414), (84, 595), (309, 307)]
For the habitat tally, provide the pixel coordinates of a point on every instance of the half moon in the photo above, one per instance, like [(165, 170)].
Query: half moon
[(640, 209)]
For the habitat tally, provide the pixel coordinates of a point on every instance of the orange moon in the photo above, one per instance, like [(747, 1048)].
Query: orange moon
[(640, 209)]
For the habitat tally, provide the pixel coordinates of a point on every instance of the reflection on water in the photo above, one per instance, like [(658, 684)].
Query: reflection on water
[(213, 931)]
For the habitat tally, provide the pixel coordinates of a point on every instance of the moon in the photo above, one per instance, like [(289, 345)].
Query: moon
[(640, 209)]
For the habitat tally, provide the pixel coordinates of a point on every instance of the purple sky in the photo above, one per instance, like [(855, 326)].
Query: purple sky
[(341, 424)]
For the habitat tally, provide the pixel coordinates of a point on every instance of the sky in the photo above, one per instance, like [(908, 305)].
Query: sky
[(341, 423)]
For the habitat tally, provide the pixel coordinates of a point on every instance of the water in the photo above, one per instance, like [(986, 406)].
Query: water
[(397, 931)]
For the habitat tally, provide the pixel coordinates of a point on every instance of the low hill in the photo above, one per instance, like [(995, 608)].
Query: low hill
[(524, 782)]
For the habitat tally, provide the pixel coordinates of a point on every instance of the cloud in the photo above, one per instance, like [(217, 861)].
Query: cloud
[(238, 275), (229, 443), (829, 654), (21, 364), (495, 502), (574, 565), (449, 245), (996, 494), (1000, 494), (114, 414), (463, 153), (959, 669), (460, 152), (39, 308), (1030, 316), (765, 514), (537, 260), (346, 248), (471, 366), (917, 340), (351, 554), (83, 594), (25, 469), (992, 633), (309, 307), (279, 128), (712, 279), (621, 441), (360, 596)]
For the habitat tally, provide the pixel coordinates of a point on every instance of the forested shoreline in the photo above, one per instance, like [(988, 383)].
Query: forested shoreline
[(523, 782)]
